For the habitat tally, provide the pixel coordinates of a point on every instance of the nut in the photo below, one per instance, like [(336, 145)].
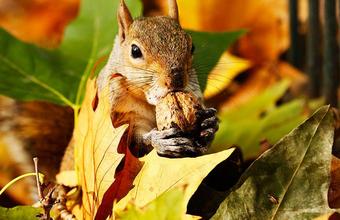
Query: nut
[(177, 109)]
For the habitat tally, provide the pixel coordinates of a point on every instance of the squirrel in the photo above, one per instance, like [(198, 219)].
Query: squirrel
[(151, 57)]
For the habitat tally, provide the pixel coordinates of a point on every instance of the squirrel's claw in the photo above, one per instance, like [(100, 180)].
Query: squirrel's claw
[(208, 127), (172, 143)]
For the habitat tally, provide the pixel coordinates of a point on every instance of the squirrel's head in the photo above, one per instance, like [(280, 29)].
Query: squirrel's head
[(155, 53)]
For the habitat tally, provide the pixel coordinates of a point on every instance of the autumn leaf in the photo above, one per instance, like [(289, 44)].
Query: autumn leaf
[(289, 181), (168, 206), (160, 174), (96, 156), (19, 212)]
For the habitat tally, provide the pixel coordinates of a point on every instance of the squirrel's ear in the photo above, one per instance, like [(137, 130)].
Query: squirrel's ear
[(173, 9), (124, 20)]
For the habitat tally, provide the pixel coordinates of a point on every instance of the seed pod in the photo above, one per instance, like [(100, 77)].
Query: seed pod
[(177, 109)]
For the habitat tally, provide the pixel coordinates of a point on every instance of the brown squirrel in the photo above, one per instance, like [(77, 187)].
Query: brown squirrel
[(151, 57)]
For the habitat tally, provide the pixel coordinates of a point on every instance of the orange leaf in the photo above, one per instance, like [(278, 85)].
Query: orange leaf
[(37, 21)]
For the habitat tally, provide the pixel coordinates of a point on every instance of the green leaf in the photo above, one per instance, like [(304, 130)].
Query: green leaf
[(209, 48), (168, 206), (19, 213), (258, 119), (289, 181), (31, 73)]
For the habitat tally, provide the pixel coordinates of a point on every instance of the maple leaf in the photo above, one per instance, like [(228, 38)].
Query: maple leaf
[(96, 142), (160, 174)]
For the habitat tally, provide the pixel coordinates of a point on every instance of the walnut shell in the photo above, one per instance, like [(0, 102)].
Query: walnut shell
[(177, 108)]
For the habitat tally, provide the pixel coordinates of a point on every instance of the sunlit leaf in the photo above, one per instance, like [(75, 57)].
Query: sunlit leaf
[(96, 142), (19, 212), (289, 181), (160, 174), (168, 206)]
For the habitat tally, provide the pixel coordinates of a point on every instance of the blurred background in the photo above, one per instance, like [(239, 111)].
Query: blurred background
[(283, 68)]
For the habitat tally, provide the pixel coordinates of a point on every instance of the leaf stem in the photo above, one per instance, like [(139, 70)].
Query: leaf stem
[(15, 180)]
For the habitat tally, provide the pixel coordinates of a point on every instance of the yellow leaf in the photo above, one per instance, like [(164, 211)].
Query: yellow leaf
[(160, 174), (67, 178), (96, 142), (324, 217), (226, 69)]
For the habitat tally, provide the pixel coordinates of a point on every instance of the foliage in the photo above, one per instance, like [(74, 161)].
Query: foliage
[(19, 212), (289, 181), (259, 119)]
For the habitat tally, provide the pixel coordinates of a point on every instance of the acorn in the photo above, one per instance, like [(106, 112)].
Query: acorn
[(177, 109)]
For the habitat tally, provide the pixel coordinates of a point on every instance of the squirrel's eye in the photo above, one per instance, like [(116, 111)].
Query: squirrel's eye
[(192, 49), (136, 52)]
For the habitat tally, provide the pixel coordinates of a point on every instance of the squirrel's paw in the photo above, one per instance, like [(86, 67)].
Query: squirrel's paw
[(172, 143), (207, 128)]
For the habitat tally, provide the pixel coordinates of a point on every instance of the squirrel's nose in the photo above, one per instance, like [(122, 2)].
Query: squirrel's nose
[(177, 78)]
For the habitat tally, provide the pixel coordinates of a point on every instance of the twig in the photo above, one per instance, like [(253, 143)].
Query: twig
[(45, 202)]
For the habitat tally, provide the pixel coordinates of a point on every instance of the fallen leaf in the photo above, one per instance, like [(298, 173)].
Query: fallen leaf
[(168, 206), (67, 178), (96, 149), (223, 73), (324, 217), (160, 174), (289, 181), (20, 212)]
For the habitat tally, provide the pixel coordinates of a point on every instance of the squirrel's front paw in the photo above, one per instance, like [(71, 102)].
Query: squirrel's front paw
[(172, 143), (207, 127)]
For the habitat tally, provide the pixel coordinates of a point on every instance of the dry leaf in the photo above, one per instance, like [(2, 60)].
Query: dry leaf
[(160, 174), (37, 21), (96, 155)]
